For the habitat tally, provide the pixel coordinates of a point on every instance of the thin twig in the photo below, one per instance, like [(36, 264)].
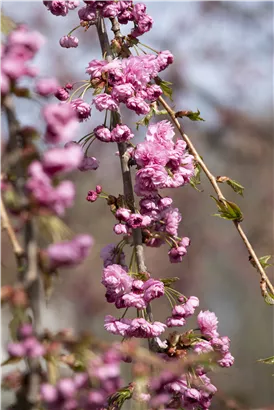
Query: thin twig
[(6, 225), (212, 180)]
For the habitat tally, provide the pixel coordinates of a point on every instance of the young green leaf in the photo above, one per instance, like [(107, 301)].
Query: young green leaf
[(167, 90), (196, 179), (238, 188), (268, 360), (192, 115), (228, 210)]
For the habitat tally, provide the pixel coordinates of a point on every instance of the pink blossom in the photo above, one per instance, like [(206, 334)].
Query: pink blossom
[(46, 86), (117, 327), (102, 133), (16, 349), (138, 105), (149, 153), (88, 13), (123, 214), (153, 289), (105, 102), (227, 360), (221, 344), (176, 254), (92, 196), (61, 123), (122, 92), (69, 42), (202, 347), (153, 92), (110, 9), (142, 329), (88, 164), (95, 68), (162, 132), (165, 58), (5, 83), (61, 94), (81, 108), (48, 393), (57, 7), (116, 280), (133, 299), (174, 321), (121, 133), (32, 41), (135, 220), (120, 229), (144, 25), (69, 253), (33, 348), (66, 159), (64, 195), (172, 219), (208, 323), (149, 179), (66, 387)]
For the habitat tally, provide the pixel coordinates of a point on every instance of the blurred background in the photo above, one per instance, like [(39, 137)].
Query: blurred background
[(223, 66)]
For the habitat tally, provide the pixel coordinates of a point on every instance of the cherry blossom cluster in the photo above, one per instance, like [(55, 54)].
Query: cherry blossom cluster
[(161, 162), (124, 11), (128, 81), (27, 346), (88, 390), (17, 52)]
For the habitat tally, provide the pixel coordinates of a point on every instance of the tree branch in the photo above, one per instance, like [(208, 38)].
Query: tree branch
[(212, 180), (124, 158), (28, 272)]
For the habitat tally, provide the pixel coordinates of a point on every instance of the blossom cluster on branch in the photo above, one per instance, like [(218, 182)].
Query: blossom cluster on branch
[(184, 357)]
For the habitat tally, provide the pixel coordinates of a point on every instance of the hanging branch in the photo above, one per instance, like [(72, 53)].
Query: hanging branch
[(212, 179), (27, 263), (124, 158)]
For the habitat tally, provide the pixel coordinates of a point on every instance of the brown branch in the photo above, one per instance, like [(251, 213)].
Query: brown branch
[(28, 273), (124, 162), (212, 180), (6, 225)]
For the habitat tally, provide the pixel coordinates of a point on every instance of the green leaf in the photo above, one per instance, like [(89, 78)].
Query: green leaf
[(228, 210), (196, 179), (238, 188), (11, 360), (7, 24), (193, 116), (167, 90), (13, 326), (269, 298), (264, 261), (169, 281), (117, 399), (145, 121), (268, 360)]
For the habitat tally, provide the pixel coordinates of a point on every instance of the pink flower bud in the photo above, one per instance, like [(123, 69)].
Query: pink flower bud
[(61, 94), (120, 229), (69, 41), (92, 196)]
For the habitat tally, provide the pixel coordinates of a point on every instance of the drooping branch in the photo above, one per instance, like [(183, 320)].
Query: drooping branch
[(124, 160), (212, 179), (28, 272)]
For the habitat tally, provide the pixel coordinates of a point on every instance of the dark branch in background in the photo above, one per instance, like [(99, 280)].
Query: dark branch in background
[(27, 263), (124, 158), (221, 198)]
